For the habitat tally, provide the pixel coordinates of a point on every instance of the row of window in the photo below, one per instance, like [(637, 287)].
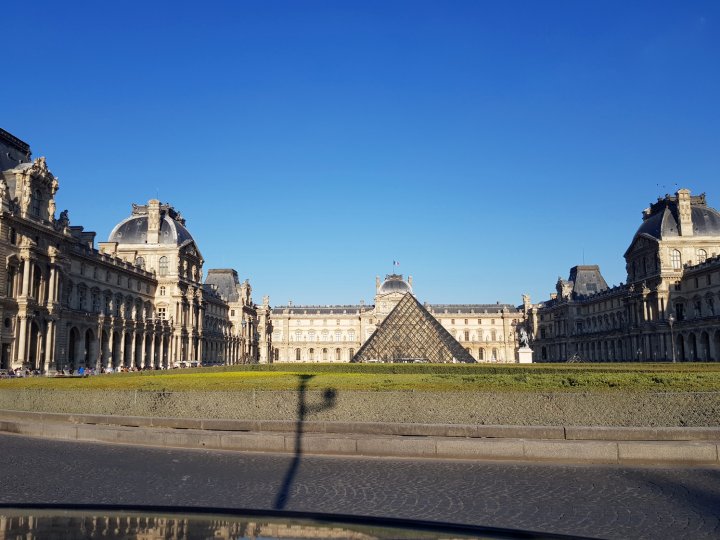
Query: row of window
[(322, 355), (676, 258)]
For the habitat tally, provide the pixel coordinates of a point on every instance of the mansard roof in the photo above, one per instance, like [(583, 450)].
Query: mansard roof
[(587, 280), (226, 283), (410, 333)]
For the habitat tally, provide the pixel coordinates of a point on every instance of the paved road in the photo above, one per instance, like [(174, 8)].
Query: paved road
[(601, 501)]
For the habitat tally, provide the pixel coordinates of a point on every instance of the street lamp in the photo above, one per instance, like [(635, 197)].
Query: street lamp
[(671, 322)]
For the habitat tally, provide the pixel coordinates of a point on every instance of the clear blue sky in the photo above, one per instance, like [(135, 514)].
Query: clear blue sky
[(309, 144)]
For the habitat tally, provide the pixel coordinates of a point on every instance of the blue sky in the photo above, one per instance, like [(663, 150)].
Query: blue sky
[(485, 146)]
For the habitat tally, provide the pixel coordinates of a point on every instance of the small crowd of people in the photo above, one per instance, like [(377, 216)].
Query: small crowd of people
[(18, 372), (83, 371)]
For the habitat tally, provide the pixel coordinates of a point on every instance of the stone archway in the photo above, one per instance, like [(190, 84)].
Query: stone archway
[(90, 349), (74, 346), (680, 344), (127, 357), (116, 360), (692, 348), (704, 347), (34, 356), (105, 359)]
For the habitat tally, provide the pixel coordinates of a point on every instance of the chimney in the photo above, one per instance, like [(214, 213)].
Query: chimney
[(685, 225), (153, 234)]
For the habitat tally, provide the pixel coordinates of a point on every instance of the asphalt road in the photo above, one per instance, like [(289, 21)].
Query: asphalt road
[(598, 501)]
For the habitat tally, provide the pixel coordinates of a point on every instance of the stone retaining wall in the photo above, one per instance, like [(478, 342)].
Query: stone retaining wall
[(484, 408)]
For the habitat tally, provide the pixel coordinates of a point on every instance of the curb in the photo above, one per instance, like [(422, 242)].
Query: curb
[(672, 446)]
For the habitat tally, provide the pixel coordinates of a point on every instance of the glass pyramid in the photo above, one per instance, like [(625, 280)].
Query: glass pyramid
[(410, 334)]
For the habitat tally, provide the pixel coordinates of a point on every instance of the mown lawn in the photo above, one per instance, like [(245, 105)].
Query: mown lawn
[(404, 377)]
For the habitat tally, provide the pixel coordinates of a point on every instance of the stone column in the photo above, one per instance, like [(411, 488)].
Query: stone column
[(122, 348), (152, 348), (22, 339), (26, 276), (49, 345), (132, 348), (143, 356), (162, 350), (111, 348), (200, 349)]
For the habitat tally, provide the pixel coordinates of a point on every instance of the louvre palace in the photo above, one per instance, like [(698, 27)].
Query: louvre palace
[(312, 333), (142, 299), (136, 301), (669, 307)]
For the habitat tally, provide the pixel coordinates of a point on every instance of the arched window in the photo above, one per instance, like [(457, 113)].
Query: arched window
[(36, 203), (297, 355), (325, 355), (701, 256), (140, 263), (352, 353), (494, 355), (481, 354), (312, 355), (676, 260), (163, 266), (337, 355), (10, 290)]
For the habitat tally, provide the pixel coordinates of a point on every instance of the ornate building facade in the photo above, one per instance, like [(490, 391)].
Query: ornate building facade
[(137, 301), (335, 333), (669, 308)]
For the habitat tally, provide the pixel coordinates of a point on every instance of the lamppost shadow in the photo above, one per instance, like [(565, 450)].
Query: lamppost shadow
[(328, 401)]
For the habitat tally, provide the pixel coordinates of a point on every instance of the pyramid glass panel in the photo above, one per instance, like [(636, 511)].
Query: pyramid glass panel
[(410, 334)]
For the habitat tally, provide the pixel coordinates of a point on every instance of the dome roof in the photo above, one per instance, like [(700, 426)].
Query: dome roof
[(664, 223), (133, 230), (394, 283)]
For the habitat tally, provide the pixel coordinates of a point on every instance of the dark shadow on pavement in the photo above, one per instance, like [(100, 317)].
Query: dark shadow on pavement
[(329, 397)]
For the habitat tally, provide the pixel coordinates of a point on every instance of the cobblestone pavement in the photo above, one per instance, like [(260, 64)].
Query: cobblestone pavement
[(599, 501)]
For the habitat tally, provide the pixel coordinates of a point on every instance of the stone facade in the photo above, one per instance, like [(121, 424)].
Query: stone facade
[(137, 301), (673, 276), (335, 333)]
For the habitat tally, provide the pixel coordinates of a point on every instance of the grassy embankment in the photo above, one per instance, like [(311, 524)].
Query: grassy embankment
[(405, 377)]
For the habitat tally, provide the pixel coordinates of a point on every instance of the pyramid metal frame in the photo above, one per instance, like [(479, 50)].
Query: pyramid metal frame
[(411, 334)]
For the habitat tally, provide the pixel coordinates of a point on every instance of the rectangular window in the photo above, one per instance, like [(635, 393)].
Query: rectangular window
[(161, 313)]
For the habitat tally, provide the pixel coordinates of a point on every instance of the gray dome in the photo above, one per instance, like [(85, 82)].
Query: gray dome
[(394, 284), (664, 224), (133, 230)]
